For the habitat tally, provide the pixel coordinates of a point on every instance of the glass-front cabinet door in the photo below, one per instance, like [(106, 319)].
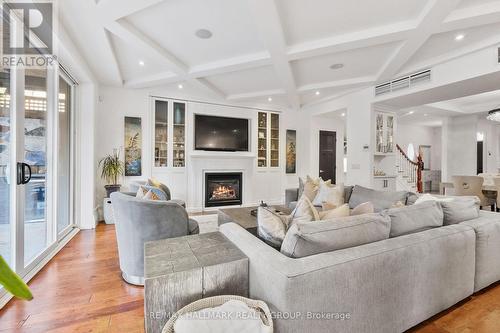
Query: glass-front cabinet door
[(161, 133), (169, 133), (268, 140), (179, 151)]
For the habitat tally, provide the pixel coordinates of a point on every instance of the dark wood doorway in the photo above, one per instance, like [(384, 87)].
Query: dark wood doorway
[(328, 155), (479, 157)]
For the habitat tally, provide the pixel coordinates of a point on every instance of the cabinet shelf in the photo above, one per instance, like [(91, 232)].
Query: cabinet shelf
[(268, 137)]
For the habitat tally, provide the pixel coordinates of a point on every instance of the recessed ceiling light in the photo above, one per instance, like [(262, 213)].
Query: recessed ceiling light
[(270, 99), (411, 112), (141, 63), (343, 114), (317, 93), (336, 66), (459, 37), (180, 86), (425, 114), (203, 33)]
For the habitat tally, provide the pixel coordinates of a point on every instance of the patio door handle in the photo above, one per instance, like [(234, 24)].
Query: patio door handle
[(22, 177)]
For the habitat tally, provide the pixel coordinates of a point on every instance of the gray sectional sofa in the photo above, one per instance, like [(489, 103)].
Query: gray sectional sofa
[(385, 286)]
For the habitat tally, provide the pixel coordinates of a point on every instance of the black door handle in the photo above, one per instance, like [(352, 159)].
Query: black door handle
[(22, 177)]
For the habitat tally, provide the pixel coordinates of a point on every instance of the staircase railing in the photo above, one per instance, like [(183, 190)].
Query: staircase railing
[(410, 170)]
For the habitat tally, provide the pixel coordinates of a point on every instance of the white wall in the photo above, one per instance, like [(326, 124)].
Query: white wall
[(421, 136), (85, 108), (459, 141), (261, 184)]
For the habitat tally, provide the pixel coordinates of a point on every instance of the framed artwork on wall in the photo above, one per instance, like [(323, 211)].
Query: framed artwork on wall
[(133, 144), (291, 151)]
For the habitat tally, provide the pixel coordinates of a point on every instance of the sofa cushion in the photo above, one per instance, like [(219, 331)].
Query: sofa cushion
[(271, 226), (415, 218), (305, 239), (342, 211), (332, 194), (458, 211), (381, 200)]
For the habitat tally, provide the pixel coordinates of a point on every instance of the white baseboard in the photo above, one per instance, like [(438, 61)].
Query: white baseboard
[(6, 297)]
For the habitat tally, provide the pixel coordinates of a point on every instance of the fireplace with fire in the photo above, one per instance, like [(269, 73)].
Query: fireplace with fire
[(223, 189)]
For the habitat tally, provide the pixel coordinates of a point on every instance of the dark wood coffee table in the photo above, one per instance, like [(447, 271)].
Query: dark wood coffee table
[(243, 217)]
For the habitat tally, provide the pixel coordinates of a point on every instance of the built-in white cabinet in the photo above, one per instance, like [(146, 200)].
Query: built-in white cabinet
[(385, 126), (384, 183), (384, 154), (268, 140), (169, 117)]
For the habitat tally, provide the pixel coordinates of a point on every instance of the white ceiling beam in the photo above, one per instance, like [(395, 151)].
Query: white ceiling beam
[(430, 20), (132, 36), (357, 81), (263, 93), (112, 10), (268, 20), (152, 80), (354, 40), (231, 65), (115, 62), (442, 58), (332, 97), (471, 17)]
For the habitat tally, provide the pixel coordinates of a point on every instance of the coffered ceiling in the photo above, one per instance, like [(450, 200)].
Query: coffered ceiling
[(274, 51)]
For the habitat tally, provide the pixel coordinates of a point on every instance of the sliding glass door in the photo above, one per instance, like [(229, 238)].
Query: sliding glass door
[(36, 112), (5, 162), (36, 228)]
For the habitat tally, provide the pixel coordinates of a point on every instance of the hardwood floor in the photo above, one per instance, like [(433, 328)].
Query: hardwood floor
[(81, 290)]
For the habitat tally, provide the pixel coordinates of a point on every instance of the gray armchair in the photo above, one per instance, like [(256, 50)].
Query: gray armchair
[(138, 221)]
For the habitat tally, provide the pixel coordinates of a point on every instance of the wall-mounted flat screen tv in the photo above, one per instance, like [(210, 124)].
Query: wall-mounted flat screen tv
[(220, 133)]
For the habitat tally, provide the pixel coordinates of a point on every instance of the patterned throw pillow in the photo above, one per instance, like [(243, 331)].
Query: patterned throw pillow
[(342, 211), (159, 194), (156, 183), (151, 196)]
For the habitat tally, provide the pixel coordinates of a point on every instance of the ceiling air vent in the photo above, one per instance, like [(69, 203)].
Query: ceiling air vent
[(404, 82)]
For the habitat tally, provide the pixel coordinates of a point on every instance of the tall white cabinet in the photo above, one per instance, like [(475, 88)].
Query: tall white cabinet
[(169, 143), (384, 159)]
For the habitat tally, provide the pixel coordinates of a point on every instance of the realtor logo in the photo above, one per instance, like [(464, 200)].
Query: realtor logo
[(27, 29), (35, 20)]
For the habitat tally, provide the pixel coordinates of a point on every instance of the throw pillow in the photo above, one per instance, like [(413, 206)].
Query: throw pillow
[(415, 218), (364, 208), (271, 227), (333, 194), (429, 197), (151, 196), (328, 206), (381, 200), (155, 183), (306, 239), (459, 211), (157, 192), (304, 211), (342, 211), (308, 188), (141, 192)]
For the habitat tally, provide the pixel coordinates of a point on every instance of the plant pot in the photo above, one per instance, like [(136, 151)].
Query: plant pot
[(112, 188)]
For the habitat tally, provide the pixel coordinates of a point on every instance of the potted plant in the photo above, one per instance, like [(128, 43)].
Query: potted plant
[(12, 282), (111, 168)]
